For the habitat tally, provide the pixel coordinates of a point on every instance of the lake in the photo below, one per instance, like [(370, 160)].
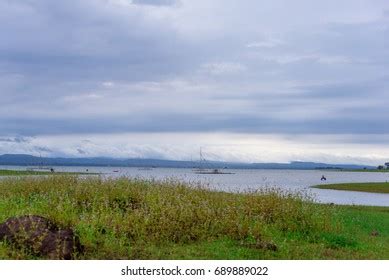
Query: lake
[(252, 179)]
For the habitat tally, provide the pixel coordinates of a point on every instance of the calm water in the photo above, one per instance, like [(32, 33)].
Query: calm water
[(243, 180)]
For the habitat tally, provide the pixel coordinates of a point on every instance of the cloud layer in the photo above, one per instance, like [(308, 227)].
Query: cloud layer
[(118, 67)]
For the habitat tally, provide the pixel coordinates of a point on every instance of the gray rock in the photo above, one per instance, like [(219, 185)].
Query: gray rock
[(41, 236)]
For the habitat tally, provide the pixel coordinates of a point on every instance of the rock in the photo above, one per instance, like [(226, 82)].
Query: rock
[(262, 245), (41, 236)]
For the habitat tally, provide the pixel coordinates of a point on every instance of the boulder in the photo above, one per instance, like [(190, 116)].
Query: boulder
[(40, 236)]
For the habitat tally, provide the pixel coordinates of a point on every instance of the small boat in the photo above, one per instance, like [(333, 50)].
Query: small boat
[(212, 171), (41, 167), (145, 168), (51, 169)]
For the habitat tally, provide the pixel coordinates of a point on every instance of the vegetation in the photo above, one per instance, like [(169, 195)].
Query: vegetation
[(383, 170), (359, 187), (136, 219), (5, 172), (336, 169)]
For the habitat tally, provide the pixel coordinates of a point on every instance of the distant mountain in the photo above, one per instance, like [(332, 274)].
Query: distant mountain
[(29, 160)]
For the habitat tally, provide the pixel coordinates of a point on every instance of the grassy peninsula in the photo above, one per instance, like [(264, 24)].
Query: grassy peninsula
[(137, 219), (6, 172), (365, 170), (358, 187)]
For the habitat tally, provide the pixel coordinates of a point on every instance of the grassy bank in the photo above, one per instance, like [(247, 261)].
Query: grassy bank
[(359, 187), (353, 170), (366, 170), (5, 172), (134, 219)]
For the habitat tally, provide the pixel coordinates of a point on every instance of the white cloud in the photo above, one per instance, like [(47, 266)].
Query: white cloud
[(223, 68), (215, 146), (269, 43), (108, 84)]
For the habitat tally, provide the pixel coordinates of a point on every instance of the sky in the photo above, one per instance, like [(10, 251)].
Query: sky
[(246, 80)]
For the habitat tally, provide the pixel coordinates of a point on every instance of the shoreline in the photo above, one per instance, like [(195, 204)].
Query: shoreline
[(16, 173), (371, 187)]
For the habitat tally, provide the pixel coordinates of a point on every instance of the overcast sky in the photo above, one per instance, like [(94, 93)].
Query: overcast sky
[(248, 80)]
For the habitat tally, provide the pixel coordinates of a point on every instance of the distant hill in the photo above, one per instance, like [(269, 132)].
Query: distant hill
[(29, 160)]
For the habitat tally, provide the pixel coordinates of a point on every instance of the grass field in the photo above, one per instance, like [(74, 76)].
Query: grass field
[(135, 219), (359, 187)]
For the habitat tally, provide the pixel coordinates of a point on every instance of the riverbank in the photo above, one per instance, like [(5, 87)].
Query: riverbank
[(365, 170), (6, 172), (358, 187), (139, 219)]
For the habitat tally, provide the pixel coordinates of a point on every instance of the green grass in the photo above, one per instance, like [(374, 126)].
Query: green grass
[(359, 187), (353, 170), (365, 170), (136, 219), (5, 172)]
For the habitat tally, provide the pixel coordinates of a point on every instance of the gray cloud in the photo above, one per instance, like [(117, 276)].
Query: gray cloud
[(14, 140), (81, 151), (89, 40), (99, 66), (155, 2), (42, 149)]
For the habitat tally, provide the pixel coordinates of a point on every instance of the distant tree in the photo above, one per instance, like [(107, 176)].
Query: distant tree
[(380, 167)]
